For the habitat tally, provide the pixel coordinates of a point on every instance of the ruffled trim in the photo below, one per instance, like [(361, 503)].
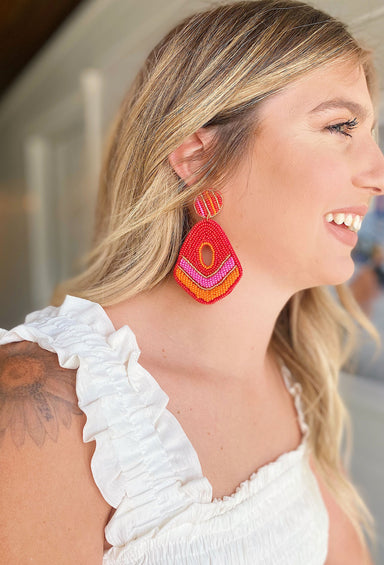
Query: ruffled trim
[(296, 391), (140, 465)]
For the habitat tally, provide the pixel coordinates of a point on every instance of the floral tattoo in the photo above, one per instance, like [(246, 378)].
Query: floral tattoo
[(36, 393)]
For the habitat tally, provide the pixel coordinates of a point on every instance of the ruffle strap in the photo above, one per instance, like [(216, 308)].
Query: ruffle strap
[(138, 457)]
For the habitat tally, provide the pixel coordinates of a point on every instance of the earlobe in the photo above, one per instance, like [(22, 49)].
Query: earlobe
[(189, 156)]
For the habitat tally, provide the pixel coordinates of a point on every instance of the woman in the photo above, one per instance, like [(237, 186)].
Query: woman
[(244, 144)]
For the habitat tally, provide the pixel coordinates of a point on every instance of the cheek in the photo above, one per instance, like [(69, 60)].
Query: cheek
[(312, 178), (289, 188)]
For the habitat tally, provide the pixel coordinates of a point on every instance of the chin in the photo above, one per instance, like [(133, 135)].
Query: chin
[(341, 273)]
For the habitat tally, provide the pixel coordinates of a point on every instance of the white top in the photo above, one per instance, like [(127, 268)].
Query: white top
[(146, 467)]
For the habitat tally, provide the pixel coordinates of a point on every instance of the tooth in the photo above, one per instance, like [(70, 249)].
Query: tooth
[(356, 224), (329, 217), (338, 219), (348, 220)]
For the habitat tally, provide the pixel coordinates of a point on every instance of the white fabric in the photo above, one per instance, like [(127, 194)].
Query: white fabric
[(146, 467)]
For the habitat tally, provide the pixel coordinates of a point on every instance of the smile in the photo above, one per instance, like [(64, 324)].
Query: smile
[(351, 221), (343, 233)]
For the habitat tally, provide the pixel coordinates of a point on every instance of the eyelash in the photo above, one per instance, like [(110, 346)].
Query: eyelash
[(350, 125)]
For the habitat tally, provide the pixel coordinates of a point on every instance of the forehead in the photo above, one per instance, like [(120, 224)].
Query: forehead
[(338, 84)]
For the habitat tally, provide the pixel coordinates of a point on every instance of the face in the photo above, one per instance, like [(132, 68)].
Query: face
[(305, 164)]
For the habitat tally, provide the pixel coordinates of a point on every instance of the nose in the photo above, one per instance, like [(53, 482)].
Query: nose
[(371, 173)]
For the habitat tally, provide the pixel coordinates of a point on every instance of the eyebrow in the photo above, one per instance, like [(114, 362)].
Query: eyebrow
[(359, 111)]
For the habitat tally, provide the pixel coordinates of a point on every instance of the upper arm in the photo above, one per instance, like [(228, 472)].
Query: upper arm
[(50, 508), (343, 543)]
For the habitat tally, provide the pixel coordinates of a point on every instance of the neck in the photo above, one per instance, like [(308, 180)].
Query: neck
[(229, 338)]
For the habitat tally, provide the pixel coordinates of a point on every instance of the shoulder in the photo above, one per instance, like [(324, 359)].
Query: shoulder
[(46, 484), (37, 396), (343, 543)]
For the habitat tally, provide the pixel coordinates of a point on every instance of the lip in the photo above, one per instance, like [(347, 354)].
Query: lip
[(360, 210), (344, 235)]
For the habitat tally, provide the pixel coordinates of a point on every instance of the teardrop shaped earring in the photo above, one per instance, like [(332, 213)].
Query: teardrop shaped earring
[(207, 283)]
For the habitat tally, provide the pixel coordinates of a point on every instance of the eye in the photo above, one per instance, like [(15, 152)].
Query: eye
[(342, 127)]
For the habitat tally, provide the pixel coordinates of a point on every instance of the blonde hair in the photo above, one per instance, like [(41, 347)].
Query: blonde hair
[(213, 70)]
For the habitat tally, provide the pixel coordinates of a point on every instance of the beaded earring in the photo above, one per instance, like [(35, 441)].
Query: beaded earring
[(207, 283)]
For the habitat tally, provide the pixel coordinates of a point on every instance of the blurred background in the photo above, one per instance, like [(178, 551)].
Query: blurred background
[(65, 66)]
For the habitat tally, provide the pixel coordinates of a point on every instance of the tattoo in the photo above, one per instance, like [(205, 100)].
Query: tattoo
[(36, 393)]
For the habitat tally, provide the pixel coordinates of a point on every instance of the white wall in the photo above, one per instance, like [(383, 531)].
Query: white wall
[(52, 123)]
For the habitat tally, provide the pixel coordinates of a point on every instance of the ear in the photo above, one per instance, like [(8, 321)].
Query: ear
[(189, 156)]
